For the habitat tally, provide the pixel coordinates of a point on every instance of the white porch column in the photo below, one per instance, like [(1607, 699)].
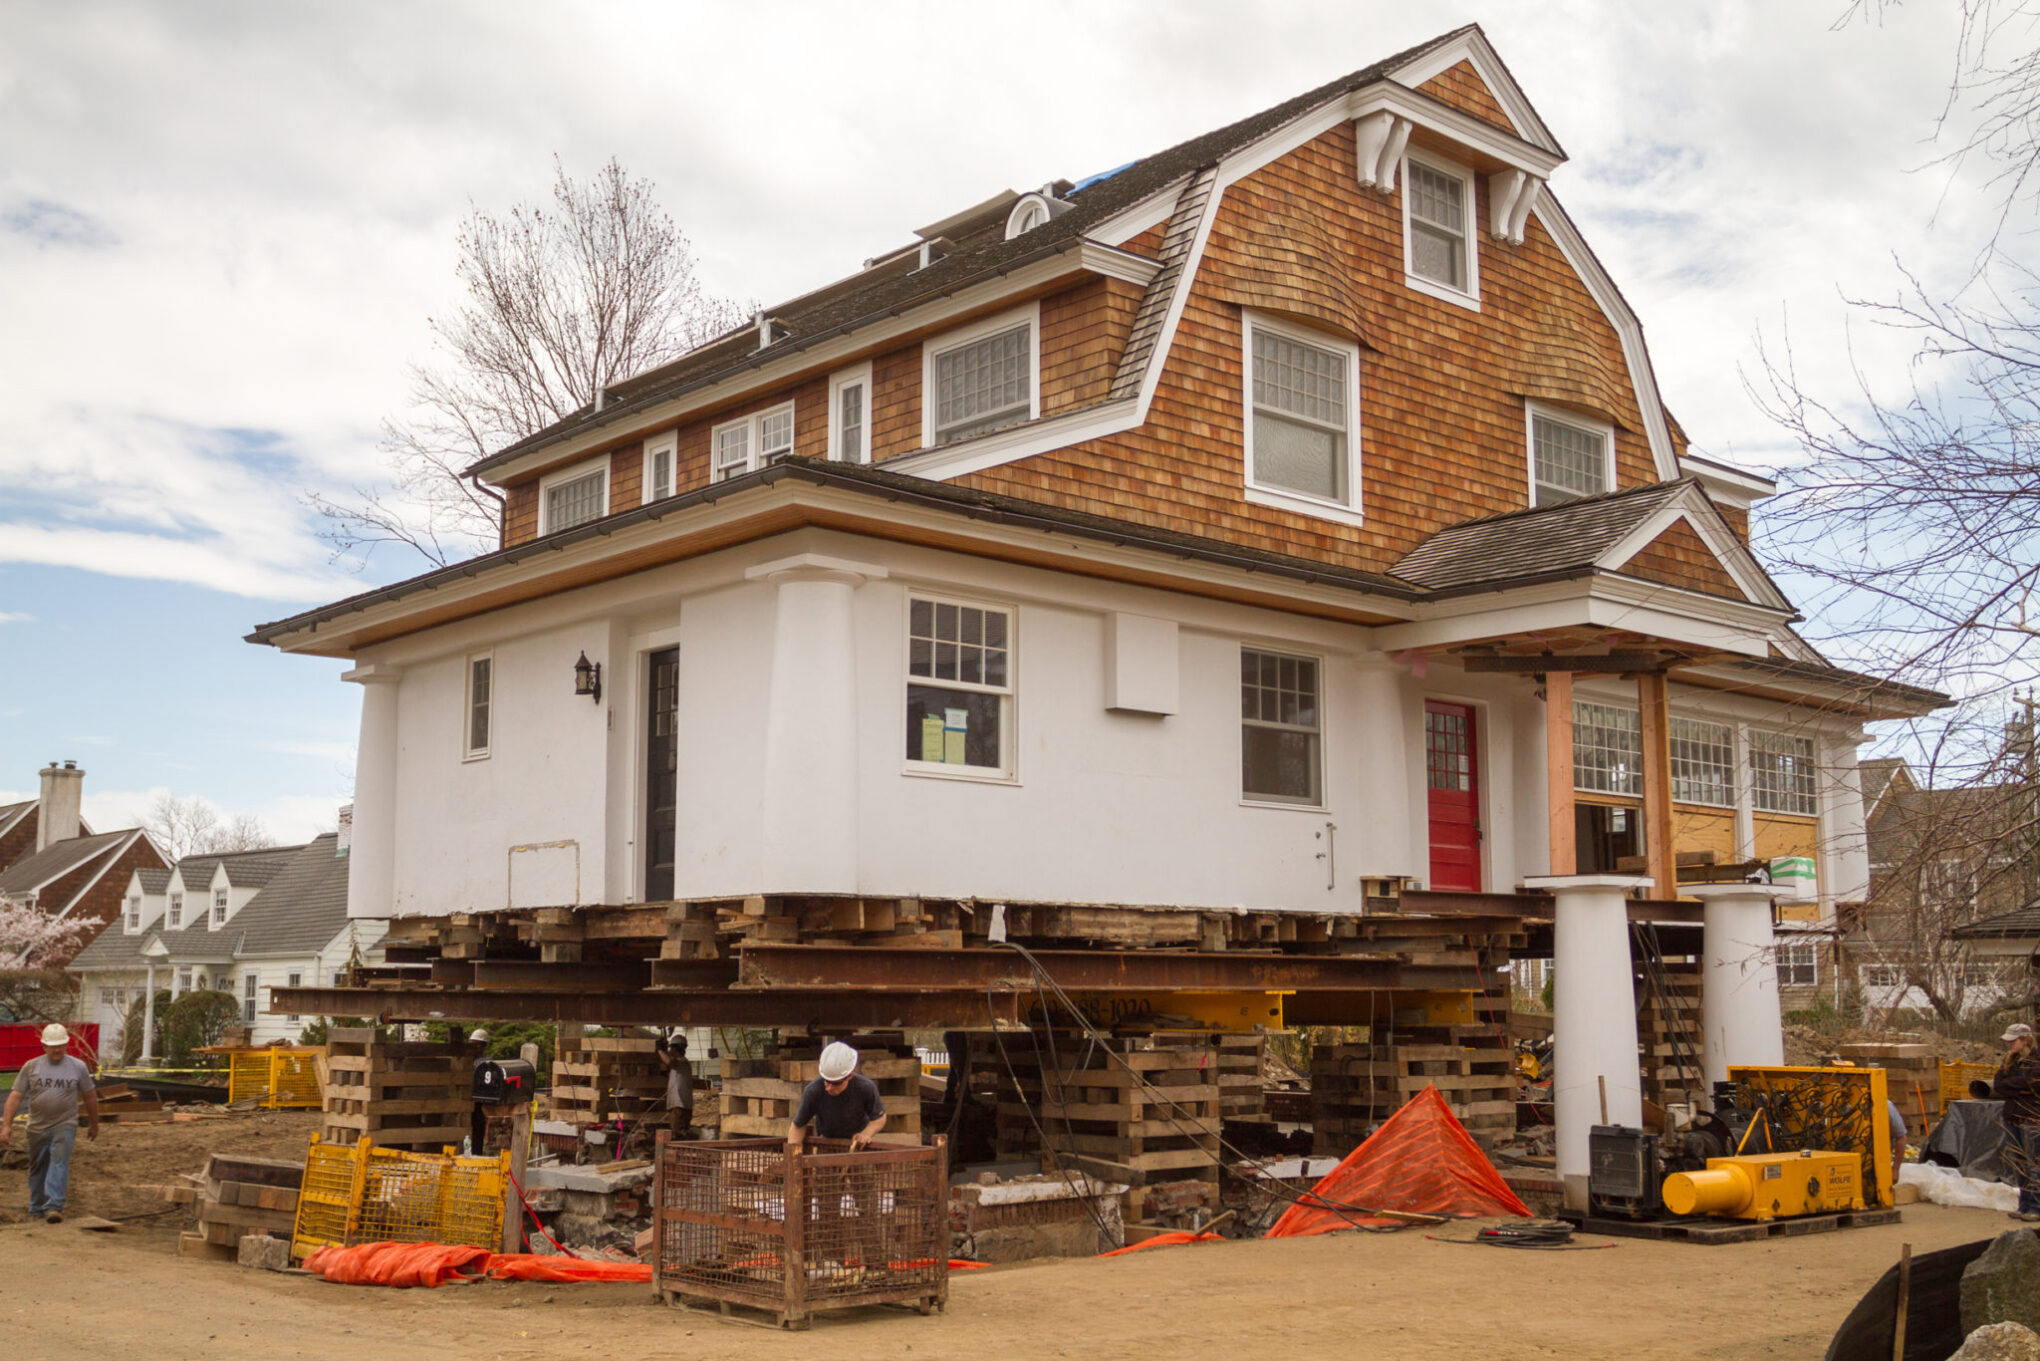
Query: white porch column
[(1594, 1015), (1739, 1018), (809, 837), (371, 860), (149, 1015), (1385, 758), (1843, 866)]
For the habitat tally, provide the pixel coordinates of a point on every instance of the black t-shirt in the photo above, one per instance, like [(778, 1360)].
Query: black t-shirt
[(841, 1116)]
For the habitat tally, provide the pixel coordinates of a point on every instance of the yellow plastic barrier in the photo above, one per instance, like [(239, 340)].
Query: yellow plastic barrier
[(1956, 1077), (279, 1077), (358, 1193)]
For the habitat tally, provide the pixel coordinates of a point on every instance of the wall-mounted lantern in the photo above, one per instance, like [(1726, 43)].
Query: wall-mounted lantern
[(588, 678)]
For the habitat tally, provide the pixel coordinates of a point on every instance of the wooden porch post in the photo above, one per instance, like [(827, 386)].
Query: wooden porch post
[(1558, 764), (1652, 700)]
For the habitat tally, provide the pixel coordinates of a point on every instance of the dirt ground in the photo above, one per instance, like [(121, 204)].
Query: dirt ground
[(64, 1292)]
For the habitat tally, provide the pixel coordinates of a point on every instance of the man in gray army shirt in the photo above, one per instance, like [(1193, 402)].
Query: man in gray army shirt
[(52, 1085)]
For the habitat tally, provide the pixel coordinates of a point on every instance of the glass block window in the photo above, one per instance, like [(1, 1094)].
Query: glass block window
[(481, 703), (1781, 772), (959, 685), (1568, 461), (984, 384), (1281, 727), (575, 502), (1798, 965), (1607, 749), (1703, 763), (1301, 419), (1437, 206)]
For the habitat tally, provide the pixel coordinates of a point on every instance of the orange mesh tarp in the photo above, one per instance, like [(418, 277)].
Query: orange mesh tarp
[(1420, 1161), (403, 1265)]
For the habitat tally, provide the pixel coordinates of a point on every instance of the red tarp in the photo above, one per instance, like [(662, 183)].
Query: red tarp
[(404, 1265), (1420, 1162)]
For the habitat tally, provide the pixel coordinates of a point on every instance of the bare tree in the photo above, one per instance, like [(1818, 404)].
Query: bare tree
[(561, 301), (188, 826)]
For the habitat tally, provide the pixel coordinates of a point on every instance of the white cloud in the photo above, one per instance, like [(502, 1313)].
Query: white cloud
[(10, 617), (290, 818)]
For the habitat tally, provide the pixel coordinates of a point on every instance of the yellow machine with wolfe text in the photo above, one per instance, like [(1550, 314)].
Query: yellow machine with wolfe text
[(1769, 1186)]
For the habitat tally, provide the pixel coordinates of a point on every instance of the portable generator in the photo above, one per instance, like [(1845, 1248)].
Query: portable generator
[(1769, 1186), (1623, 1172)]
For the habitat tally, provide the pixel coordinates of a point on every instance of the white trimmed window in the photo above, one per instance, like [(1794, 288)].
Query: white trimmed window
[(573, 497), (175, 919), (959, 688), (1781, 772), (1570, 456), (219, 907), (661, 452), (850, 415), (981, 379), (1302, 418), (481, 705), (1439, 254), (1281, 728), (1703, 763), (134, 915), (248, 999), (1798, 965), (293, 980), (748, 443), (1607, 745), (1880, 976), (183, 979)]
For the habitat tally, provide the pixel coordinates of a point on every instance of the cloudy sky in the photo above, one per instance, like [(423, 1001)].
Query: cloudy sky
[(223, 228)]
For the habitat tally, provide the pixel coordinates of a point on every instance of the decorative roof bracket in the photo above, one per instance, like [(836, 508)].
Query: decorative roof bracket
[(1381, 138), (1511, 196)]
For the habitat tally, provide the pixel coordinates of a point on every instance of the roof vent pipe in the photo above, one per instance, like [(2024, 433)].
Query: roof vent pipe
[(601, 396), (764, 325)]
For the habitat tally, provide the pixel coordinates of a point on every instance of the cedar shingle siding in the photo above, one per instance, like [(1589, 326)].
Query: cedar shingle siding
[(1677, 557)]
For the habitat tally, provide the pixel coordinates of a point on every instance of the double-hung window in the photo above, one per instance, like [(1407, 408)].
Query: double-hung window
[(1439, 254), (1781, 772), (219, 907), (1570, 456), (248, 998), (1281, 728), (573, 497), (481, 704), (850, 415), (134, 914), (175, 919), (1703, 763), (1607, 749), (980, 380), (959, 688), (758, 440), (183, 979), (1798, 965), (1302, 419), (661, 452)]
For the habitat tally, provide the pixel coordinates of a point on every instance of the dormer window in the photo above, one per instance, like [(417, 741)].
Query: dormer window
[(573, 497), (219, 907), (1570, 456), (658, 471), (1030, 212), (134, 914), (756, 441), (1438, 242), (981, 379), (175, 920)]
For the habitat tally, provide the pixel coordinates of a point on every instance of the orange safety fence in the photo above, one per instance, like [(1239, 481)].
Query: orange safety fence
[(1421, 1161)]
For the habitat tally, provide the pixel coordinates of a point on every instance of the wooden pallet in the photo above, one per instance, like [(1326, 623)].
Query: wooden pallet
[(1355, 1087), (397, 1094), (1703, 1229)]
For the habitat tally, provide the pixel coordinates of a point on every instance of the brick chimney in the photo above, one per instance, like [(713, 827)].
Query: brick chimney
[(63, 789)]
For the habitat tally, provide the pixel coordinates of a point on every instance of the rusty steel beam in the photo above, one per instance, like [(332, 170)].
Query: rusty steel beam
[(796, 1009), (516, 974), (871, 968), (1433, 902)]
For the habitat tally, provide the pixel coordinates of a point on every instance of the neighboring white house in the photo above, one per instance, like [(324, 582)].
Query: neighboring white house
[(240, 924)]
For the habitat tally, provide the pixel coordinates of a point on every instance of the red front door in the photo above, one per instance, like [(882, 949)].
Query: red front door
[(1451, 766)]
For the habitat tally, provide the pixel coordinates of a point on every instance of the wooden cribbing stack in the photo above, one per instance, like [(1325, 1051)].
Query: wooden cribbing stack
[(759, 1095), (397, 1094), (1669, 1031), (1912, 1079), (1354, 1087), (599, 1078), (1241, 1090), (240, 1196)]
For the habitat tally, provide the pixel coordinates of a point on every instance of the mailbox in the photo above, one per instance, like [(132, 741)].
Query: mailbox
[(503, 1081)]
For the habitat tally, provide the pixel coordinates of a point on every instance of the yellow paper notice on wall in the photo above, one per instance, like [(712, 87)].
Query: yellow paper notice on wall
[(955, 730), (931, 738)]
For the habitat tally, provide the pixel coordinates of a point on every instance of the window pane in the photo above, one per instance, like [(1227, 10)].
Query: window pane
[(1434, 255), (574, 503), (1607, 749), (732, 450), (1279, 764), (1279, 737), (662, 474), (1703, 763), (1299, 457), (478, 706), (921, 618), (953, 727), (1435, 197), (850, 423), (1300, 379), (1570, 461), (983, 385), (775, 436)]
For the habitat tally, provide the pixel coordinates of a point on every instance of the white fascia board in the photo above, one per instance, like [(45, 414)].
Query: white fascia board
[(2003, 947), (1081, 257), (1841, 692), (1728, 486), (1153, 211), (1475, 49), (113, 856), (1728, 550), (1642, 379), (1018, 442), (1446, 121)]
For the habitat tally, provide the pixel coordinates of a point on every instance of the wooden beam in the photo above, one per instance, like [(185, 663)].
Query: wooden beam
[(1612, 663), (1653, 700), (1558, 764)]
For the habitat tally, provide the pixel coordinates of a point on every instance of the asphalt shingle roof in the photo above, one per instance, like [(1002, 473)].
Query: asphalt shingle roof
[(1570, 536), (301, 908), (53, 862)]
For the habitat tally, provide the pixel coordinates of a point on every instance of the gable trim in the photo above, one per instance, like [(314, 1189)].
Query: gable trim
[(1691, 508), (112, 858), (1473, 48)]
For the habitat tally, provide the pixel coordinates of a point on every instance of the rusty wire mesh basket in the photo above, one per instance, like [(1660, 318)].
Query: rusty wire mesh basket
[(870, 1227)]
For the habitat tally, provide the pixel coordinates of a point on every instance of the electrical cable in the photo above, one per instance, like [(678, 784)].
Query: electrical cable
[(1069, 1180)]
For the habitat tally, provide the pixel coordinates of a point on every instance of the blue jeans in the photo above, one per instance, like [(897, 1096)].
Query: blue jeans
[(2028, 1166), (49, 1167)]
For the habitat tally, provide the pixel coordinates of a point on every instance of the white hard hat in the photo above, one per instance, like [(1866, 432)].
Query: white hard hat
[(839, 1061), (479, 1035), (54, 1035)]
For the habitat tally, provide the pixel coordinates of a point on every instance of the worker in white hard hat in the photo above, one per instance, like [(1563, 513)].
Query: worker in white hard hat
[(842, 1103), (52, 1085)]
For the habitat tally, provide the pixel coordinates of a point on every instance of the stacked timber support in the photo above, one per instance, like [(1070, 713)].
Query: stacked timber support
[(241, 1196), (396, 1094), (598, 1078), (1242, 1095), (759, 1095), (1668, 1028), (1354, 1087), (1912, 1079)]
